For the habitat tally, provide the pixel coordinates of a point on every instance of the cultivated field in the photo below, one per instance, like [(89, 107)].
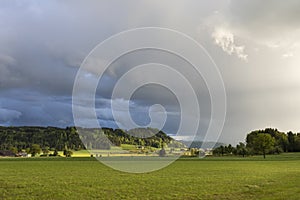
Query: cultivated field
[(277, 177)]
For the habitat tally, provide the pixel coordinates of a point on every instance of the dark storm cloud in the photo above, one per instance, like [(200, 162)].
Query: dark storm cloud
[(42, 46), (6, 116)]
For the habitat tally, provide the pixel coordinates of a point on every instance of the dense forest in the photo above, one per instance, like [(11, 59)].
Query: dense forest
[(68, 138), (267, 141)]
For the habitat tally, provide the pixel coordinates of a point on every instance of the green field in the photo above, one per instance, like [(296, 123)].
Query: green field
[(277, 177)]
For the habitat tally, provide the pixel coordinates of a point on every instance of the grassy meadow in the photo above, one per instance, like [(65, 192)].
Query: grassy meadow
[(277, 177)]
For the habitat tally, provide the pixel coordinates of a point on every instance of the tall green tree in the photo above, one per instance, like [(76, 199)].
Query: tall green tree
[(263, 143)]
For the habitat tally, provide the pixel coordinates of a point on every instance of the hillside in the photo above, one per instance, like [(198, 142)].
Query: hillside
[(68, 138)]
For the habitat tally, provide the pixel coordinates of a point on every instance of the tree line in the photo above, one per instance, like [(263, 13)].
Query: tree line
[(262, 142), (65, 139)]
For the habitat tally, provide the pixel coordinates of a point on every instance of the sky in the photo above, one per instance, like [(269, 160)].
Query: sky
[(255, 45)]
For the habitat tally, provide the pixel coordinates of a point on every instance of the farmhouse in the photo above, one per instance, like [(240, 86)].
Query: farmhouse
[(22, 154), (6, 153)]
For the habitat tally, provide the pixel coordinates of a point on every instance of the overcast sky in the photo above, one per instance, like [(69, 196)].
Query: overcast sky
[(255, 44)]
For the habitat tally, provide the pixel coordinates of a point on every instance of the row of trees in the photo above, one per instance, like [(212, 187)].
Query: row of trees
[(268, 141), (52, 138)]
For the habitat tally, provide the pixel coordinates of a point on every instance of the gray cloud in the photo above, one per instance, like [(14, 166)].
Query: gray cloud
[(272, 23), (267, 16)]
